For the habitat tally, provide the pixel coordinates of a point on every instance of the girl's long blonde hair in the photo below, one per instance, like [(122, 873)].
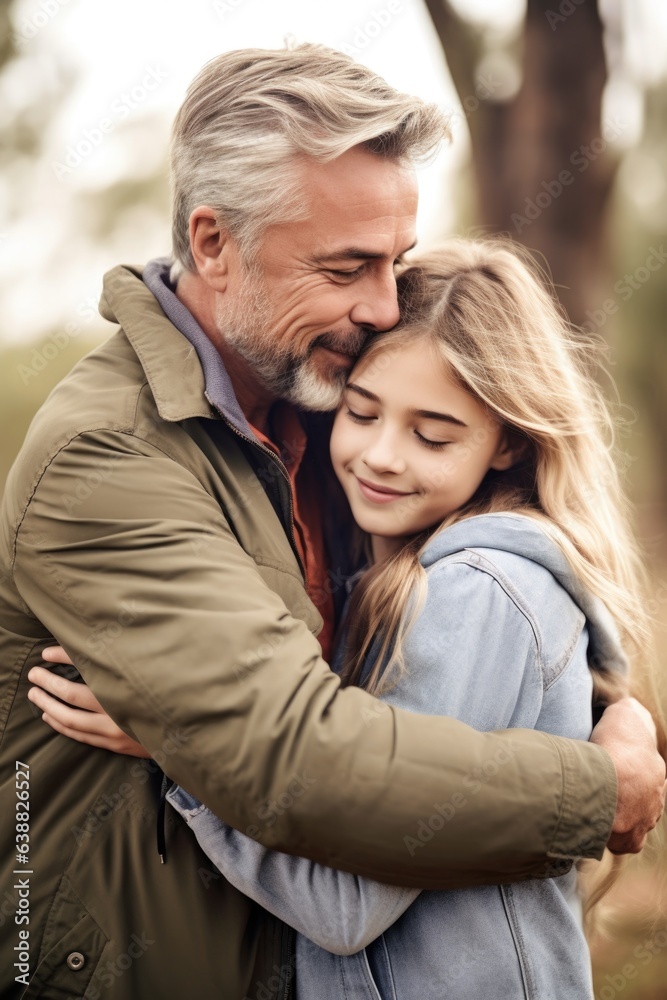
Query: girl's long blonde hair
[(494, 321)]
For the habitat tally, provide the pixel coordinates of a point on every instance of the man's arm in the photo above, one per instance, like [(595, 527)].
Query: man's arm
[(173, 627)]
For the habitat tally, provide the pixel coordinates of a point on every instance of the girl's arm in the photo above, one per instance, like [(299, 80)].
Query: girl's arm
[(338, 911)]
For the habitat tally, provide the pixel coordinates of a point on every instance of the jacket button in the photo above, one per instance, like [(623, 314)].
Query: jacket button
[(76, 961)]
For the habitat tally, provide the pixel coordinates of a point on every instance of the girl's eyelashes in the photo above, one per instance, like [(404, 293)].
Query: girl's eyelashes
[(358, 417), (361, 418), (436, 445)]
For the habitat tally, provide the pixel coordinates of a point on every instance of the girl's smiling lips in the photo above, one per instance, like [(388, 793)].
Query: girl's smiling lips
[(379, 494)]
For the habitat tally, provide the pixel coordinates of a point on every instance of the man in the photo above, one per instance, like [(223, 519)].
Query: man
[(171, 522)]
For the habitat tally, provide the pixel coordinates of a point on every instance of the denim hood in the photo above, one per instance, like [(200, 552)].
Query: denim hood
[(522, 536)]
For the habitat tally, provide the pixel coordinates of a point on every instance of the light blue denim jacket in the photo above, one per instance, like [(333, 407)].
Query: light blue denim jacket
[(502, 641)]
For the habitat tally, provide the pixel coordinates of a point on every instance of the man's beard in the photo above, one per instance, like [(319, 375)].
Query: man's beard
[(246, 328)]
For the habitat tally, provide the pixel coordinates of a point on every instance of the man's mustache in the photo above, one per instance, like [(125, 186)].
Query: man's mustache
[(351, 343)]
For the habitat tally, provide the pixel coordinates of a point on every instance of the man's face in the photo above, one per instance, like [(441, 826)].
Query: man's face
[(300, 315)]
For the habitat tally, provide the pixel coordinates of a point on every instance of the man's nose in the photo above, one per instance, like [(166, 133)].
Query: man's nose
[(377, 305)]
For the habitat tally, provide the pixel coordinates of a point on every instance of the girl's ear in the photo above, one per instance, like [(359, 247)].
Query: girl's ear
[(511, 449)]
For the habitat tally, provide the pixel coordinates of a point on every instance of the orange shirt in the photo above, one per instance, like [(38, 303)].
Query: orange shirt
[(307, 502)]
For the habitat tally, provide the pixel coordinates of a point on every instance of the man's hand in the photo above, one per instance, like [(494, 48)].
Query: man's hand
[(627, 732)]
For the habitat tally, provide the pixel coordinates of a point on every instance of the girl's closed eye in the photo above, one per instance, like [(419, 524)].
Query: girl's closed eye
[(436, 445), (360, 418)]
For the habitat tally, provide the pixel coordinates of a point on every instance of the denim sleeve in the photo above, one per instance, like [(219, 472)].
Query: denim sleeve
[(468, 655), (339, 911)]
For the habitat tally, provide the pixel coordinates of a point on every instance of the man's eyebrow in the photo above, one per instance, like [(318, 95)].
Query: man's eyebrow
[(446, 418), (355, 253)]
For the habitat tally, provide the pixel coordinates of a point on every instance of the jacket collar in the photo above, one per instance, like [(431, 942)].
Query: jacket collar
[(186, 374), (189, 381), (170, 362), (218, 385)]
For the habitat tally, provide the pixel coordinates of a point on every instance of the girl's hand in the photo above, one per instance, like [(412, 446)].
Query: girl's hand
[(82, 718)]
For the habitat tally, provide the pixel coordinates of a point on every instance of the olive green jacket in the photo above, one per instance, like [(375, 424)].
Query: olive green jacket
[(145, 532)]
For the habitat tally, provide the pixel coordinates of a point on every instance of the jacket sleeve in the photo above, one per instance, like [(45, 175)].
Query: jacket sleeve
[(454, 667), (136, 572)]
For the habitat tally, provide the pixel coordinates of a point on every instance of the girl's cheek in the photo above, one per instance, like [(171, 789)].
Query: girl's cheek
[(342, 446), (335, 437)]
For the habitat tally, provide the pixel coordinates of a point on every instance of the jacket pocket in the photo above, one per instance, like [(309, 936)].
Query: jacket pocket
[(71, 950)]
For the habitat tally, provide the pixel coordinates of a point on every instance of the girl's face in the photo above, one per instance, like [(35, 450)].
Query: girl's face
[(409, 445)]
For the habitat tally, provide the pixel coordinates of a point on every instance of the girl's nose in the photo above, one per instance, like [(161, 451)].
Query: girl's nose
[(382, 456)]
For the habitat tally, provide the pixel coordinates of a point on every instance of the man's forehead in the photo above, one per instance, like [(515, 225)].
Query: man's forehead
[(359, 180), (358, 206)]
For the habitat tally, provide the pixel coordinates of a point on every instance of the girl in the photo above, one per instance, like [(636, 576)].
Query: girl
[(474, 448)]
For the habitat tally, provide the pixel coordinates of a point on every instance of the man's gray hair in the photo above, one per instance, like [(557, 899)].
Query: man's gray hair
[(250, 114)]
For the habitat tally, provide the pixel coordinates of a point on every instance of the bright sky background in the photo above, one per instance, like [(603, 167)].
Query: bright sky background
[(49, 270)]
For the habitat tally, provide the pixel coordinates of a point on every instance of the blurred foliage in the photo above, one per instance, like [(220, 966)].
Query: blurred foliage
[(631, 959), (638, 332), (630, 956), (542, 167)]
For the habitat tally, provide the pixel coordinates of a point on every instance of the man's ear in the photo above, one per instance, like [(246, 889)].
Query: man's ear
[(211, 246), (511, 449)]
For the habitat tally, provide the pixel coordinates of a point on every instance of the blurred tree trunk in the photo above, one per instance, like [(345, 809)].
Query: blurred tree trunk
[(541, 167)]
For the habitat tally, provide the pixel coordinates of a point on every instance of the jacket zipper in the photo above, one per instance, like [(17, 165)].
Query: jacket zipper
[(288, 936), (285, 474)]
